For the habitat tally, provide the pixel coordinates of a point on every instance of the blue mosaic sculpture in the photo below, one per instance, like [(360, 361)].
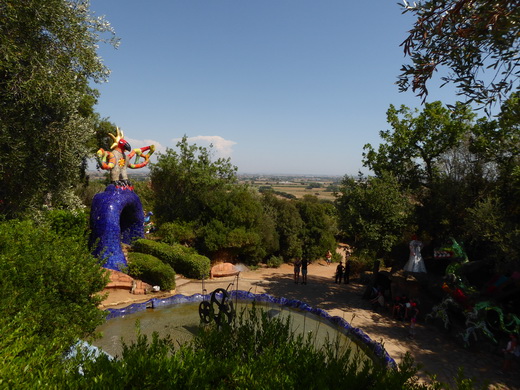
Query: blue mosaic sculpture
[(117, 214)]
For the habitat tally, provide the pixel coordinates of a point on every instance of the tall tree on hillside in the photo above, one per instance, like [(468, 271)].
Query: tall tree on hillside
[(373, 212), (412, 149), (227, 218), (239, 228), (319, 226), (47, 63), (187, 183), (493, 223), (478, 41), (289, 224)]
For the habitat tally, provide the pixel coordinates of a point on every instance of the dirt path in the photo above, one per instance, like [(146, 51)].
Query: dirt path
[(430, 348)]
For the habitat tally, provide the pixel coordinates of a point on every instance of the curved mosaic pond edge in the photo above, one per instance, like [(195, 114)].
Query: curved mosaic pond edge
[(374, 347)]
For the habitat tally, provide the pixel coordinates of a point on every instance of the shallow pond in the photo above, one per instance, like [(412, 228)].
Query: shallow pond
[(179, 318)]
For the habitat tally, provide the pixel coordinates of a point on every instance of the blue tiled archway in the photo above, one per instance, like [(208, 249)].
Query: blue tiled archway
[(116, 217)]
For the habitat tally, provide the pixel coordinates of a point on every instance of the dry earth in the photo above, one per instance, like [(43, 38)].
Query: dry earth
[(431, 348)]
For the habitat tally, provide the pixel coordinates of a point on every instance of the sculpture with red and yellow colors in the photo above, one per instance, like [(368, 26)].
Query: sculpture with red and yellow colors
[(117, 213), (116, 161)]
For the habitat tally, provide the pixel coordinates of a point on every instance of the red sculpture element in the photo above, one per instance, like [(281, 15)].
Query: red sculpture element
[(116, 161)]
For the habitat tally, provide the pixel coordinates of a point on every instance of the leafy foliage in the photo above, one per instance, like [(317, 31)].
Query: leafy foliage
[(146, 194), (288, 225), (319, 227), (275, 261), (208, 208), (151, 270), (178, 232), (68, 223), (373, 212), (469, 38), (412, 150), (49, 59), (49, 298), (188, 182), (185, 261), (491, 232), (239, 227)]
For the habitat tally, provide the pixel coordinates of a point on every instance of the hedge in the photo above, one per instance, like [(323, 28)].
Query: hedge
[(151, 270), (275, 261), (185, 261)]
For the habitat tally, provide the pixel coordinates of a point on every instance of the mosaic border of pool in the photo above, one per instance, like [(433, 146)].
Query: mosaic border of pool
[(376, 348)]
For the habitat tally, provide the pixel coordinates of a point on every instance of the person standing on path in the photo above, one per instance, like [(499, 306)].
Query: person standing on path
[(304, 271), (339, 273), (329, 257), (413, 322), (346, 275), (297, 266), (510, 352)]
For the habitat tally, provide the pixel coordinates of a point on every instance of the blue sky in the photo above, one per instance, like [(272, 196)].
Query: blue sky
[(279, 86)]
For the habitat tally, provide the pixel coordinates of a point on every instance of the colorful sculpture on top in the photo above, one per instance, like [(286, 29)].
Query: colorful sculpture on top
[(117, 213), (116, 161)]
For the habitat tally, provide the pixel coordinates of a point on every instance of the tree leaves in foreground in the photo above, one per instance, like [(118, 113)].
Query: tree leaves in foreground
[(418, 139), (47, 298), (49, 57), (477, 41), (256, 352)]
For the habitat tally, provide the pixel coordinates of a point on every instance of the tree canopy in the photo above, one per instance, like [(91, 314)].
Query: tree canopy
[(49, 57), (373, 212), (476, 40), (188, 182), (417, 141)]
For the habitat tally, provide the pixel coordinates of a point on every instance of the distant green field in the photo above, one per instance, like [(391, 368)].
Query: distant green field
[(297, 189), (300, 191)]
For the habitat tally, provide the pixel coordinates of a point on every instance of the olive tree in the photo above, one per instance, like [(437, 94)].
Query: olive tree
[(49, 59), (476, 41)]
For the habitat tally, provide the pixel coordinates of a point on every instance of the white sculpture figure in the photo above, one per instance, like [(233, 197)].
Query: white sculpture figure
[(415, 262)]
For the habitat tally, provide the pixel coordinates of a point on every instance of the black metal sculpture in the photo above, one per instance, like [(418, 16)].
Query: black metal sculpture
[(219, 309)]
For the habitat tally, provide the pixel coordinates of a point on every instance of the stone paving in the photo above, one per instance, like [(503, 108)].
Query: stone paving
[(431, 348)]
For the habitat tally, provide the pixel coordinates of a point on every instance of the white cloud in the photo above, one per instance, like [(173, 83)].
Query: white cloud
[(222, 147), (139, 143)]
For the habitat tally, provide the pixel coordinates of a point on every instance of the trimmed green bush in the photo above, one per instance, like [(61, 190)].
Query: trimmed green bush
[(177, 232), (199, 265), (68, 223), (185, 261), (275, 261), (151, 270)]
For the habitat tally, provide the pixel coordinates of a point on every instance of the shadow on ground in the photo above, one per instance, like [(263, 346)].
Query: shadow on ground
[(432, 348)]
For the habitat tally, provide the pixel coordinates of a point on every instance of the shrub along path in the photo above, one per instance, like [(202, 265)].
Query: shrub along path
[(431, 348)]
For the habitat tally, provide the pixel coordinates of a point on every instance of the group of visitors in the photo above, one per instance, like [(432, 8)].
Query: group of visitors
[(300, 264), (343, 272), (405, 309)]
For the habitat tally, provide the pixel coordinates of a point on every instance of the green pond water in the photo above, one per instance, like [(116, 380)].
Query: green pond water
[(181, 322)]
